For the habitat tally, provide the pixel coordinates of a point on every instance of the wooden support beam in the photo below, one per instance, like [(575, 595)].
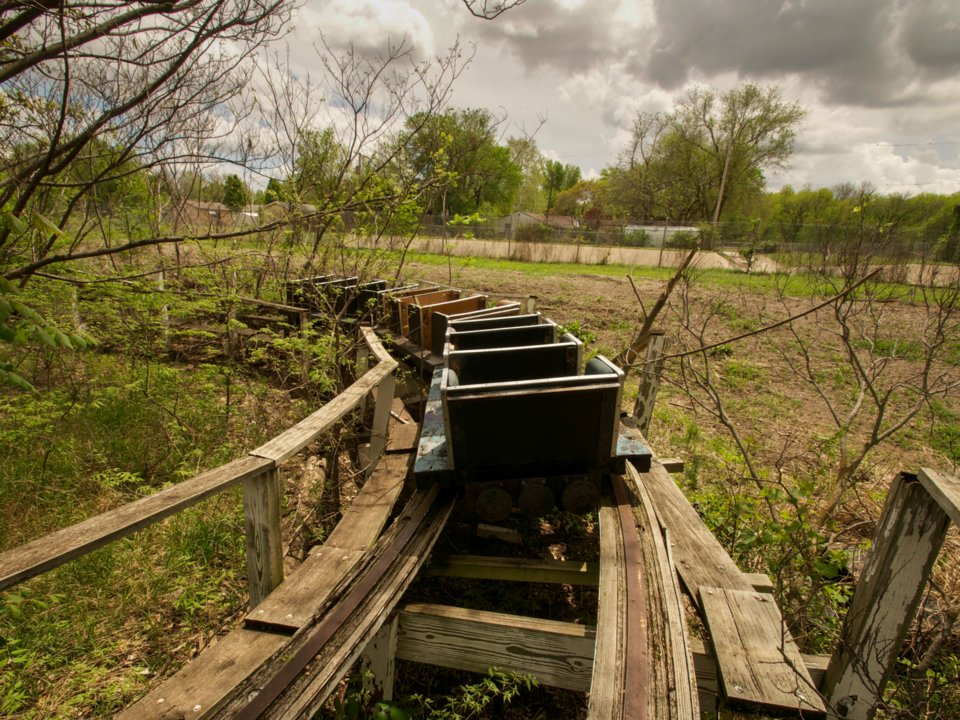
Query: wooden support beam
[(381, 420), (261, 522), (570, 572), (567, 639), (672, 465), (558, 654), (884, 604)]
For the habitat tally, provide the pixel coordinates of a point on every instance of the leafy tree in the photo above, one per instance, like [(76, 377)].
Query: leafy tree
[(558, 177), (526, 155), (235, 193), (677, 162), (460, 149)]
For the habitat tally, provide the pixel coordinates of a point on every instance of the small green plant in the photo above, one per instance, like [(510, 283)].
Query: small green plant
[(476, 700)]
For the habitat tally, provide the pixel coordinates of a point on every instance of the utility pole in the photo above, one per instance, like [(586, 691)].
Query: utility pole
[(723, 184)]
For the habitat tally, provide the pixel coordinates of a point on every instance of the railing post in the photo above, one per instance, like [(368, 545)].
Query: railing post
[(649, 380), (261, 514), (911, 531), (379, 662), (381, 420)]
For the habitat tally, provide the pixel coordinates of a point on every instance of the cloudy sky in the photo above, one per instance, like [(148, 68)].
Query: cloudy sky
[(880, 79)]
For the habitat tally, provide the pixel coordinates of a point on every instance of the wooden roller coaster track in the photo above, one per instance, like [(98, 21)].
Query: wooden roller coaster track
[(303, 634)]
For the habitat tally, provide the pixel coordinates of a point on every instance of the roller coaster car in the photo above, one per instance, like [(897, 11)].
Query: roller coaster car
[(511, 417)]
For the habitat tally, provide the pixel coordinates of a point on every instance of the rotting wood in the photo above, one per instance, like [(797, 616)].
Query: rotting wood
[(606, 685), (570, 572), (264, 541), (671, 695), (759, 664), (943, 488), (672, 465), (558, 654), (909, 536), (698, 555), (58, 547)]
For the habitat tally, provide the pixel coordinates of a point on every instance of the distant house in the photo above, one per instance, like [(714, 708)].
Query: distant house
[(200, 214), (657, 234), (511, 223)]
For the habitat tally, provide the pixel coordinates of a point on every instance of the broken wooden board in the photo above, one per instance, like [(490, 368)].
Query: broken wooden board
[(758, 662)]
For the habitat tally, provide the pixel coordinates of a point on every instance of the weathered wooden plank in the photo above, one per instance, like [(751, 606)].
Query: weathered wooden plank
[(570, 572), (305, 594), (943, 488), (367, 515), (606, 685), (293, 440), (759, 663), (672, 679), (708, 680), (403, 438), (884, 604), (558, 654), (58, 547), (200, 688), (261, 522), (698, 555), (672, 465)]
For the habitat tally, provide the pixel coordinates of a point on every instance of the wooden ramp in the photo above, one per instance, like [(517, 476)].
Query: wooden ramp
[(758, 662)]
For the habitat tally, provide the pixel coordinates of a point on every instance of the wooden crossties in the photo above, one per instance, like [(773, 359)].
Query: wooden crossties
[(558, 654)]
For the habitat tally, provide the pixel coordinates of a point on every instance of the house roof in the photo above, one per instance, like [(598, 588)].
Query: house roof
[(557, 221)]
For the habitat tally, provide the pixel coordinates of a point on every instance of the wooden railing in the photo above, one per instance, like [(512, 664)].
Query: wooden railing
[(258, 472)]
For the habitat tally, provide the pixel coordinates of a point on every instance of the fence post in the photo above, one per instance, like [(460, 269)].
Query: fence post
[(649, 380), (261, 521), (911, 531)]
